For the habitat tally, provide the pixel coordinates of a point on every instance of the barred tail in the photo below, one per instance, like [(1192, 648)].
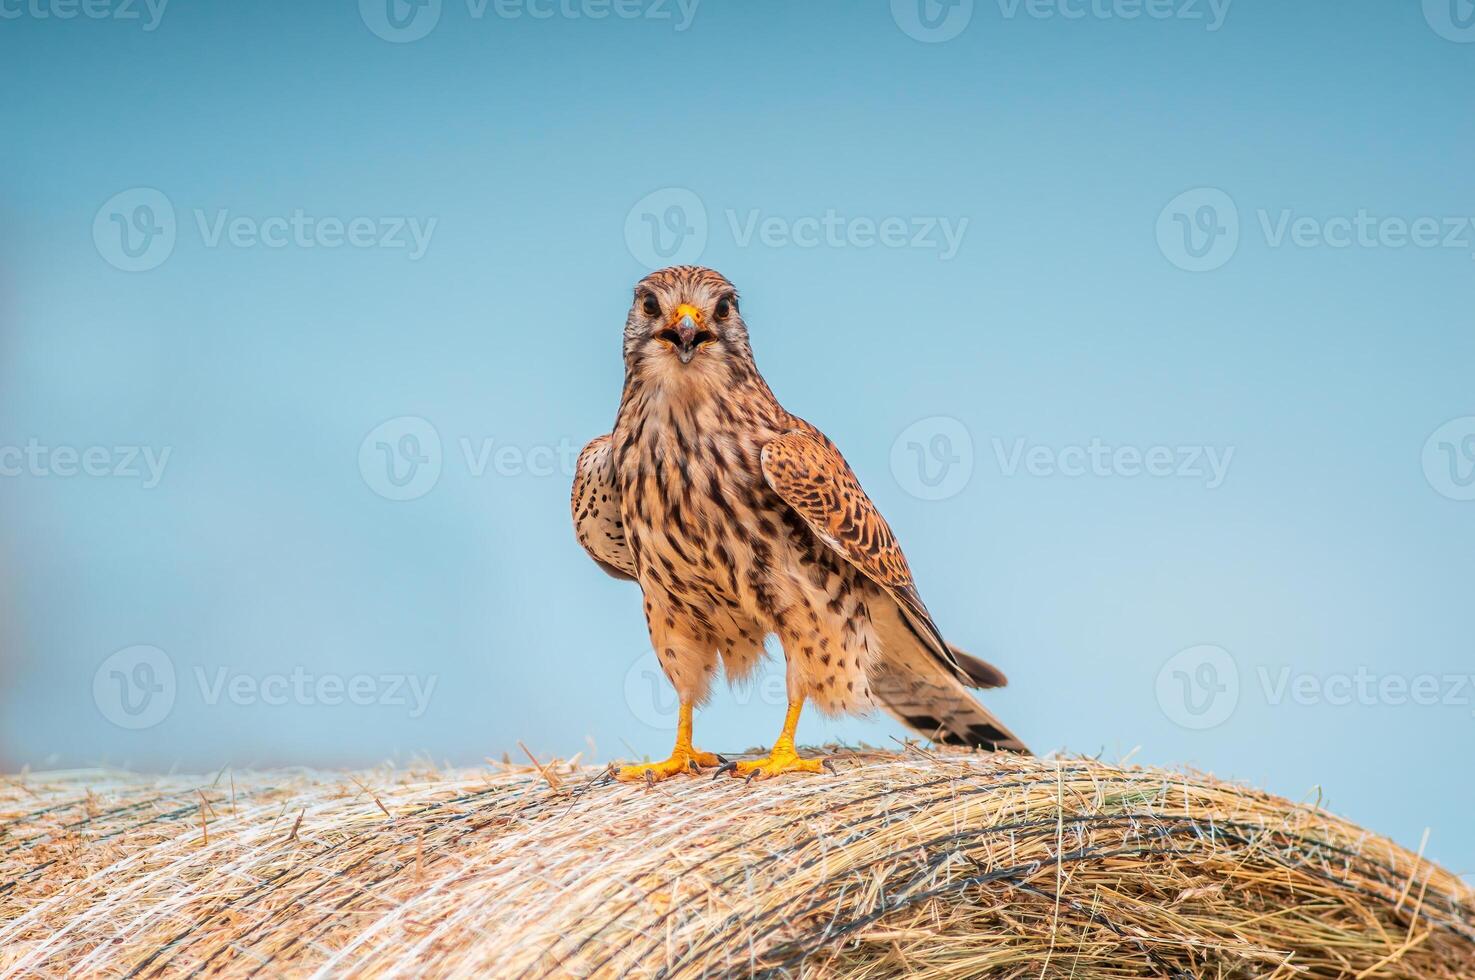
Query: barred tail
[(934, 702)]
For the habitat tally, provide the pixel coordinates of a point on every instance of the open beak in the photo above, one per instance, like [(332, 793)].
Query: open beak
[(686, 327)]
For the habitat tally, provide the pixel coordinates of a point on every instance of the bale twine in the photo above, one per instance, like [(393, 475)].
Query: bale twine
[(924, 863)]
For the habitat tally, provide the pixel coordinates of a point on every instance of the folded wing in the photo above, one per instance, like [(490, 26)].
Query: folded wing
[(595, 503), (922, 679)]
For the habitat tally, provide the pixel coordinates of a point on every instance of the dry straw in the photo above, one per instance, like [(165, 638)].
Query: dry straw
[(920, 864)]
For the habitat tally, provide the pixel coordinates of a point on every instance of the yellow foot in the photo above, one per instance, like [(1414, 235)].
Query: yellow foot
[(688, 762), (781, 760)]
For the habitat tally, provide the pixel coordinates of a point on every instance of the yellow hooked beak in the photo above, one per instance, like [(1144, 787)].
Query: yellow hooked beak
[(686, 322)]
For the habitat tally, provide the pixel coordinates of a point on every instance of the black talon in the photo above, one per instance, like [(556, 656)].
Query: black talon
[(692, 764), (726, 767), (720, 758), (830, 766), (752, 775)]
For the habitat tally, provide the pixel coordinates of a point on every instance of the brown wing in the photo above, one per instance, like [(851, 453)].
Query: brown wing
[(595, 503), (922, 680), (806, 470)]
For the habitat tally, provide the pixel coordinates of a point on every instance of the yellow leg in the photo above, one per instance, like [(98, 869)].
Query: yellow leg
[(783, 758), (684, 758)]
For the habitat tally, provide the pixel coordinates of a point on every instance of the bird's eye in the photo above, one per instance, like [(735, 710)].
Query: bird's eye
[(723, 308), (651, 307)]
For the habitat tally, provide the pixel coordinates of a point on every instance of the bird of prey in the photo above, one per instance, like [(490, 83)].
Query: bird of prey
[(739, 520)]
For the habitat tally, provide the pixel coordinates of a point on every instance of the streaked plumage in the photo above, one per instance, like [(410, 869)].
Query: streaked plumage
[(739, 520)]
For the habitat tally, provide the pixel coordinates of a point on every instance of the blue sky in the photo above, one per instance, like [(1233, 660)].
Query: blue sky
[(1151, 335)]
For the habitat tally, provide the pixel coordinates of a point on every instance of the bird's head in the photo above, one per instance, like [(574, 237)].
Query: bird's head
[(684, 327)]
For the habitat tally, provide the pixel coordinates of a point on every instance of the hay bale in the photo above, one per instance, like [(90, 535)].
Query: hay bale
[(926, 863)]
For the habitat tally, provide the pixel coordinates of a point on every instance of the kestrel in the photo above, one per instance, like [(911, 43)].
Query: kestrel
[(739, 520)]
